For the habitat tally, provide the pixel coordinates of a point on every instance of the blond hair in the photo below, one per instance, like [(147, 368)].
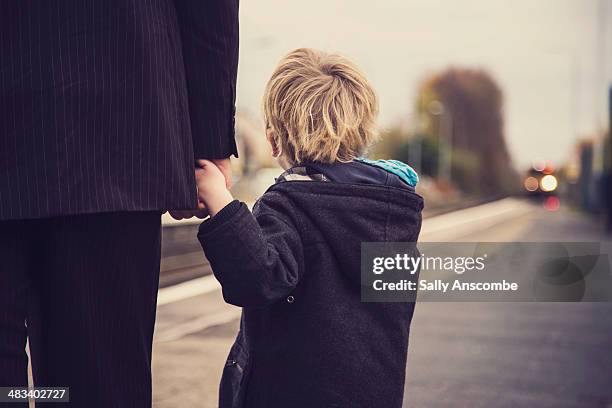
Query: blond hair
[(321, 108)]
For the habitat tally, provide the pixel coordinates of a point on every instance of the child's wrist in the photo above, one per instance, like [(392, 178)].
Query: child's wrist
[(217, 202)]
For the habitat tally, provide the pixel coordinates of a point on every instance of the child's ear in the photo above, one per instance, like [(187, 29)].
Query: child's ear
[(270, 135)]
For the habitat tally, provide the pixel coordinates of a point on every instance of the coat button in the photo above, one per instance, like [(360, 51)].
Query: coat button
[(290, 299)]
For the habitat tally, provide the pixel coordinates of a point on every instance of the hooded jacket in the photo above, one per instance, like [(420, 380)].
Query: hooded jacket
[(306, 339)]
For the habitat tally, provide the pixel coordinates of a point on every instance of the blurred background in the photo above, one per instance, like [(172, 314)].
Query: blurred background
[(504, 109), (476, 95)]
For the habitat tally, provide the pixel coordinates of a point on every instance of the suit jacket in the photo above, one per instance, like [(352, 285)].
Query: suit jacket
[(105, 104)]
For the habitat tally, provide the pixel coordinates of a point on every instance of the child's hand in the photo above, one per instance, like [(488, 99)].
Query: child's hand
[(212, 190)]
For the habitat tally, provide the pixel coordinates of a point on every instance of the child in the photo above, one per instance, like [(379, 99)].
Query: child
[(306, 339)]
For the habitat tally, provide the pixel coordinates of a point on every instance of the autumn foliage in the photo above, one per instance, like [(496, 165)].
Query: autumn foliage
[(473, 103)]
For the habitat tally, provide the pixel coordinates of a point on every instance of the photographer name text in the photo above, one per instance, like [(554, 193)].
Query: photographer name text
[(439, 285)]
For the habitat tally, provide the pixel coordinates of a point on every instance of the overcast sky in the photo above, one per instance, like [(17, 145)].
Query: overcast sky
[(547, 55)]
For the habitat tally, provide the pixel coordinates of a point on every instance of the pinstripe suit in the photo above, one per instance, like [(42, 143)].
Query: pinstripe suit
[(104, 105)]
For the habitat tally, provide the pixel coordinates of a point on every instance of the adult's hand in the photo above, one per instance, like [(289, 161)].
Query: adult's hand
[(225, 166), (200, 213), (186, 214)]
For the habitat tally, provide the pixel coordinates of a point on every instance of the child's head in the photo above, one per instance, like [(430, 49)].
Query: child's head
[(319, 107)]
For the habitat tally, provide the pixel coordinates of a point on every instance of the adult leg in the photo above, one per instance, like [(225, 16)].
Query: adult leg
[(98, 305), (14, 300)]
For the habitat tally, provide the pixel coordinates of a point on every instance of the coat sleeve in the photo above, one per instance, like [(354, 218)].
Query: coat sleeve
[(257, 261), (209, 35)]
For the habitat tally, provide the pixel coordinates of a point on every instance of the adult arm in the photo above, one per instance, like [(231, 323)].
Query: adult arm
[(209, 34)]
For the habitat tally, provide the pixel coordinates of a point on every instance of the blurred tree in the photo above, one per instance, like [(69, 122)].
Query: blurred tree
[(463, 109), (464, 164), (390, 140), (429, 148)]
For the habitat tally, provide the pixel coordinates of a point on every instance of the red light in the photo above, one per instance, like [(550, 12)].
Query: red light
[(549, 168), (552, 203)]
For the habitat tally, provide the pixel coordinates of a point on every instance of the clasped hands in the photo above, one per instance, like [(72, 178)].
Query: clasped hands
[(213, 180)]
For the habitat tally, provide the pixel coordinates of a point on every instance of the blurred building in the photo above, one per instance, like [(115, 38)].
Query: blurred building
[(589, 172), (608, 163)]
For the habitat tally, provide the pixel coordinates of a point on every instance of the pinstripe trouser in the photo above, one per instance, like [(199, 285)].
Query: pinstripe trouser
[(83, 289)]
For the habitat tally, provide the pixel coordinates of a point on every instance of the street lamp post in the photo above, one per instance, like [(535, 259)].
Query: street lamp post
[(445, 132)]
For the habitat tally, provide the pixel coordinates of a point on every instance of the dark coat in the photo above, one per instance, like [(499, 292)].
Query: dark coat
[(306, 339), (104, 104)]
